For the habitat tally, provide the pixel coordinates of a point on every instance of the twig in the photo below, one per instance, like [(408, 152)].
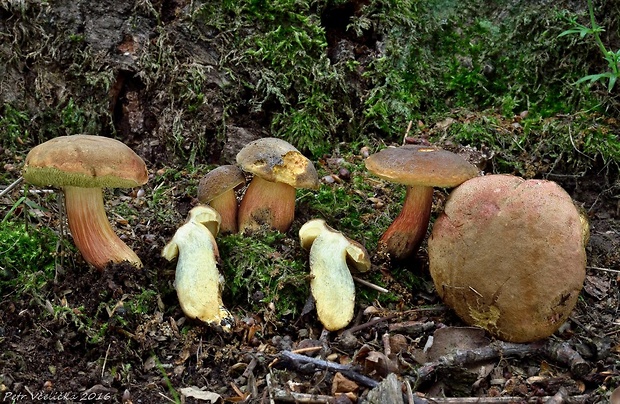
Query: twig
[(563, 353), (558, 398), (558, 351), (412, 327), (290, 360), (604, 269), (410, 398), (166, 397), (269, 389), (407, 131), (469, 356), (11, 186), (307, 349), (105, 360), (370, 285), (294, 397), (372, 322), (497, 400)]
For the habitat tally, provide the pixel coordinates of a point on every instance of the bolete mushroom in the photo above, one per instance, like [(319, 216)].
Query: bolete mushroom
[(420, 168), (278, 168), (82, 165), (331, 283), (217, 189), (508, 255), (197, 280)]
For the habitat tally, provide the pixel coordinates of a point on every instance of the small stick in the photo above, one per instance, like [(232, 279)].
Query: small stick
[(407, 131), (288, 359), (604, 269), (375, 321), (294, 397), (370, 285), (269, 389), (308, 349), (558, 351), (11, 186), (563, 353), (469, 356), (497, 400), (105, 360)]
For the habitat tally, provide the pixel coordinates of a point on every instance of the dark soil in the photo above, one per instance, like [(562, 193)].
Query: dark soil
[(120, 336), (99, 349)]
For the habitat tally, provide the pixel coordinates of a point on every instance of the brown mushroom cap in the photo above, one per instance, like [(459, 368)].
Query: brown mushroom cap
[(420, 165), (84, 161), (508, 255), (276, 160), (218, 181)]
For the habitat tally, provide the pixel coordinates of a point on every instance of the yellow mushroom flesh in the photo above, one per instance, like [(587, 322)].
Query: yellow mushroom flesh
[(331, 282), (198, 281)]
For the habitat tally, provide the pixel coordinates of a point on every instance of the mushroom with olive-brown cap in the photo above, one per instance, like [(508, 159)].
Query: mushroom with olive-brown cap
[(331, 283), (217, 188), (508, 255), (420, 168), (82, 165), (278, 168)]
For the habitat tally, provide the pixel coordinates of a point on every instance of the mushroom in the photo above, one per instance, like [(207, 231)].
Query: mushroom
[(278, 168), (420, 168), (197, 280), (82, 165), (508, 255), (217, 188), (331, 283)]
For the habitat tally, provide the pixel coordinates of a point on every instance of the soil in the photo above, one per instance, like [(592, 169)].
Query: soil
[(147, 357), (77, 339)]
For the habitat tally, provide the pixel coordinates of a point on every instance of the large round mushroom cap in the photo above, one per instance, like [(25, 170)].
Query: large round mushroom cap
[(276, 160), (420, 165), (84, 161), (218, 181), (508, 255)]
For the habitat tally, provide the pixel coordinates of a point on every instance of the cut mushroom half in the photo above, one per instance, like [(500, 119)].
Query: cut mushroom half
[(331, 283), (198, 281)]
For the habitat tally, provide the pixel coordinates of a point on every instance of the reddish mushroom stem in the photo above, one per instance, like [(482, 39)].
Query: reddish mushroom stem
[(91, 230), (267, 203), (226, 206), (403, 237)]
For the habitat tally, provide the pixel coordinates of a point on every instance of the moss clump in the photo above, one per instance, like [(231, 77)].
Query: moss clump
[(28, 256), (263, 269)]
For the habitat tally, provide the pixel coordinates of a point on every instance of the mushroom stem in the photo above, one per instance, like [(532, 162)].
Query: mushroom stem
[(403, 237), (91, 230), (331, 281), (198, 281), (267, 203), (226, 205)]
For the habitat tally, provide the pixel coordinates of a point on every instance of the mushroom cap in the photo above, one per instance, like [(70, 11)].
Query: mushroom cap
[(219, 180), (356, 254), (508, 255), (84, 161), (276, 160), (421, 165)]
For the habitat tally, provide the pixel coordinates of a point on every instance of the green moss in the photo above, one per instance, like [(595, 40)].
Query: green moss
[(261, 269), (28, 256)]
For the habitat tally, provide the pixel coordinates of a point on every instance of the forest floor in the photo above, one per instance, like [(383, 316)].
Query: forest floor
[(120, 336)]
